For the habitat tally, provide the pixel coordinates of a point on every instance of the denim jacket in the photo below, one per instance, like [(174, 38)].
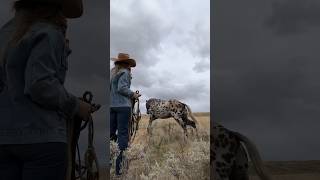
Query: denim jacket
[(34, 105), (120, 89)]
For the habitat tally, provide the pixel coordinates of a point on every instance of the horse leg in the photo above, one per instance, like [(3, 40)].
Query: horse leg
[(182, 123), (193, 125), (149, 130)]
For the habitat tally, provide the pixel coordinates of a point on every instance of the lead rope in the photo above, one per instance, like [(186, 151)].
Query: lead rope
[(135, 119), (90, 169)]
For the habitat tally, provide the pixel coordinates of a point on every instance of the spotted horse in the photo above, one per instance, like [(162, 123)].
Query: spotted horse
[(162, 109), (230, 155)]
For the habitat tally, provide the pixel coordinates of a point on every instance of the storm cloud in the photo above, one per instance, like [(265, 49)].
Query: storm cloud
[(266, 77), (294, 16), (170, 42)]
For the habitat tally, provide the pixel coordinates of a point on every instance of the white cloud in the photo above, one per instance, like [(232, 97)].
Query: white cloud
[(171, 42)]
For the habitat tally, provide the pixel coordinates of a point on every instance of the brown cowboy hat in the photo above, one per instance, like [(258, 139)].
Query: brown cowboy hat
[(70, 8), (122, 57)]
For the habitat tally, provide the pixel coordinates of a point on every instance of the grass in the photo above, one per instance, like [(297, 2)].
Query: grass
[(167, 154), (291, 170)]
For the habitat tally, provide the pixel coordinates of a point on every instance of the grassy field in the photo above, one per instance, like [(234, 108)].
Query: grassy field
[(167, 154), (292, 170)]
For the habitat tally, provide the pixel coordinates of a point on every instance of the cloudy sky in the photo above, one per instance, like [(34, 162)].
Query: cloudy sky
[(266, 74), (170, 42)]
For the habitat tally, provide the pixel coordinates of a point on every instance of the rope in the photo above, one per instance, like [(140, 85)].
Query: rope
[(90, 169), (135, 119)]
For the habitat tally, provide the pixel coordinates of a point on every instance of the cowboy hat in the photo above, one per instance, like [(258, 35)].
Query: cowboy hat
[(70, 8), (122, 57)]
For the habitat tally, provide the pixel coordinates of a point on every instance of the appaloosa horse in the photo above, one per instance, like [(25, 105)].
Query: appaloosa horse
[(162, 109)]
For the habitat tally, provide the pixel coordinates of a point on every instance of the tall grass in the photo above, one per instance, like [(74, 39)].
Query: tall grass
[(167, 155)]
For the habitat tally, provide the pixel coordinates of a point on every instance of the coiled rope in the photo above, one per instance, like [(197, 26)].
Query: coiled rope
[(135, 119)]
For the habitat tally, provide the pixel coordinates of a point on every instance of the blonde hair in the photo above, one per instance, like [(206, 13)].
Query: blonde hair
[(117, 67)]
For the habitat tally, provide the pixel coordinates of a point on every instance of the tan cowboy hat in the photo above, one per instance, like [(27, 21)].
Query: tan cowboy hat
[(70, 8), (122, 57)]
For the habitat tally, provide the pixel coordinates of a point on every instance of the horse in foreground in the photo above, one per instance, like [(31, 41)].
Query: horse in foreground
[(162, 109), (229, 155)]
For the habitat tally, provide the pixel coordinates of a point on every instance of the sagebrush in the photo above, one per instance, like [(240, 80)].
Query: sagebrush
[(167, 154)]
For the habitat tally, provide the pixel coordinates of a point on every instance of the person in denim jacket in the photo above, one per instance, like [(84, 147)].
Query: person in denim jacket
[(34, 104), (120, 106)]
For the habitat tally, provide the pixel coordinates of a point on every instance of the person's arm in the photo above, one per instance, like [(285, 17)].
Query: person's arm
[(124, 85), (42, 84)]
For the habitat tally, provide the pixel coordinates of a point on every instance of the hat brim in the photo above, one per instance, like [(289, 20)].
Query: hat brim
[(131, 62), (72, 8)]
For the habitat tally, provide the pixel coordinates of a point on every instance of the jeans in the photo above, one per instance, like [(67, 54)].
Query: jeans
[(43, 161), (119, 121)]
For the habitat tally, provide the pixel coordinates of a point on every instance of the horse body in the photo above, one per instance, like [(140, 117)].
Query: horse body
[(230, 156), (162, 109)]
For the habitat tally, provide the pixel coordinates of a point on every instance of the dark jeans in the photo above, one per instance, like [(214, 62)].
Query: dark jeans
[(119, 121), (43, 161)]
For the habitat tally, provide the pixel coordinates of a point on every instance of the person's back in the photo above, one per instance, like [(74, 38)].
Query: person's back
[(6, 32), (120, 89), (120, 105), (22, 104), (34, 105)]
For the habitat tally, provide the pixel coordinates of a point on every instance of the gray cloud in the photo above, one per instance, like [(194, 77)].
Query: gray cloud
[(159, 41), (294, 16), (266, 86), (199, 41), (201, 66), (171, 91), (139, 34)]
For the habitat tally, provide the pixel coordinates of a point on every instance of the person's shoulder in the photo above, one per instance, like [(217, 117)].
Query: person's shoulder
[(124, 72), (44, 30), (5, 32), (8, 26)]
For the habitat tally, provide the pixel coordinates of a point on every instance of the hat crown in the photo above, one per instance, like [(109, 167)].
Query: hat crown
[(70, 8), (123, 56)]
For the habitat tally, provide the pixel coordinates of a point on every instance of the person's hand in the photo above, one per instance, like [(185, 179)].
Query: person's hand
[(85, 110), (136, 95)]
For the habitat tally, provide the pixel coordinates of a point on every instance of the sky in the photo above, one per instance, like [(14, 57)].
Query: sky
[(170, 41), (266, 74)]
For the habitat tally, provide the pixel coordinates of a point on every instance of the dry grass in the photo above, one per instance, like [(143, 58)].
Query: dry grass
[(167, 154), (292, 177), (292, 170)]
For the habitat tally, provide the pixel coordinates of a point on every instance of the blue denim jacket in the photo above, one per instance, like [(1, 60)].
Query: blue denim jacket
[(120, 89), (34, 105)]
